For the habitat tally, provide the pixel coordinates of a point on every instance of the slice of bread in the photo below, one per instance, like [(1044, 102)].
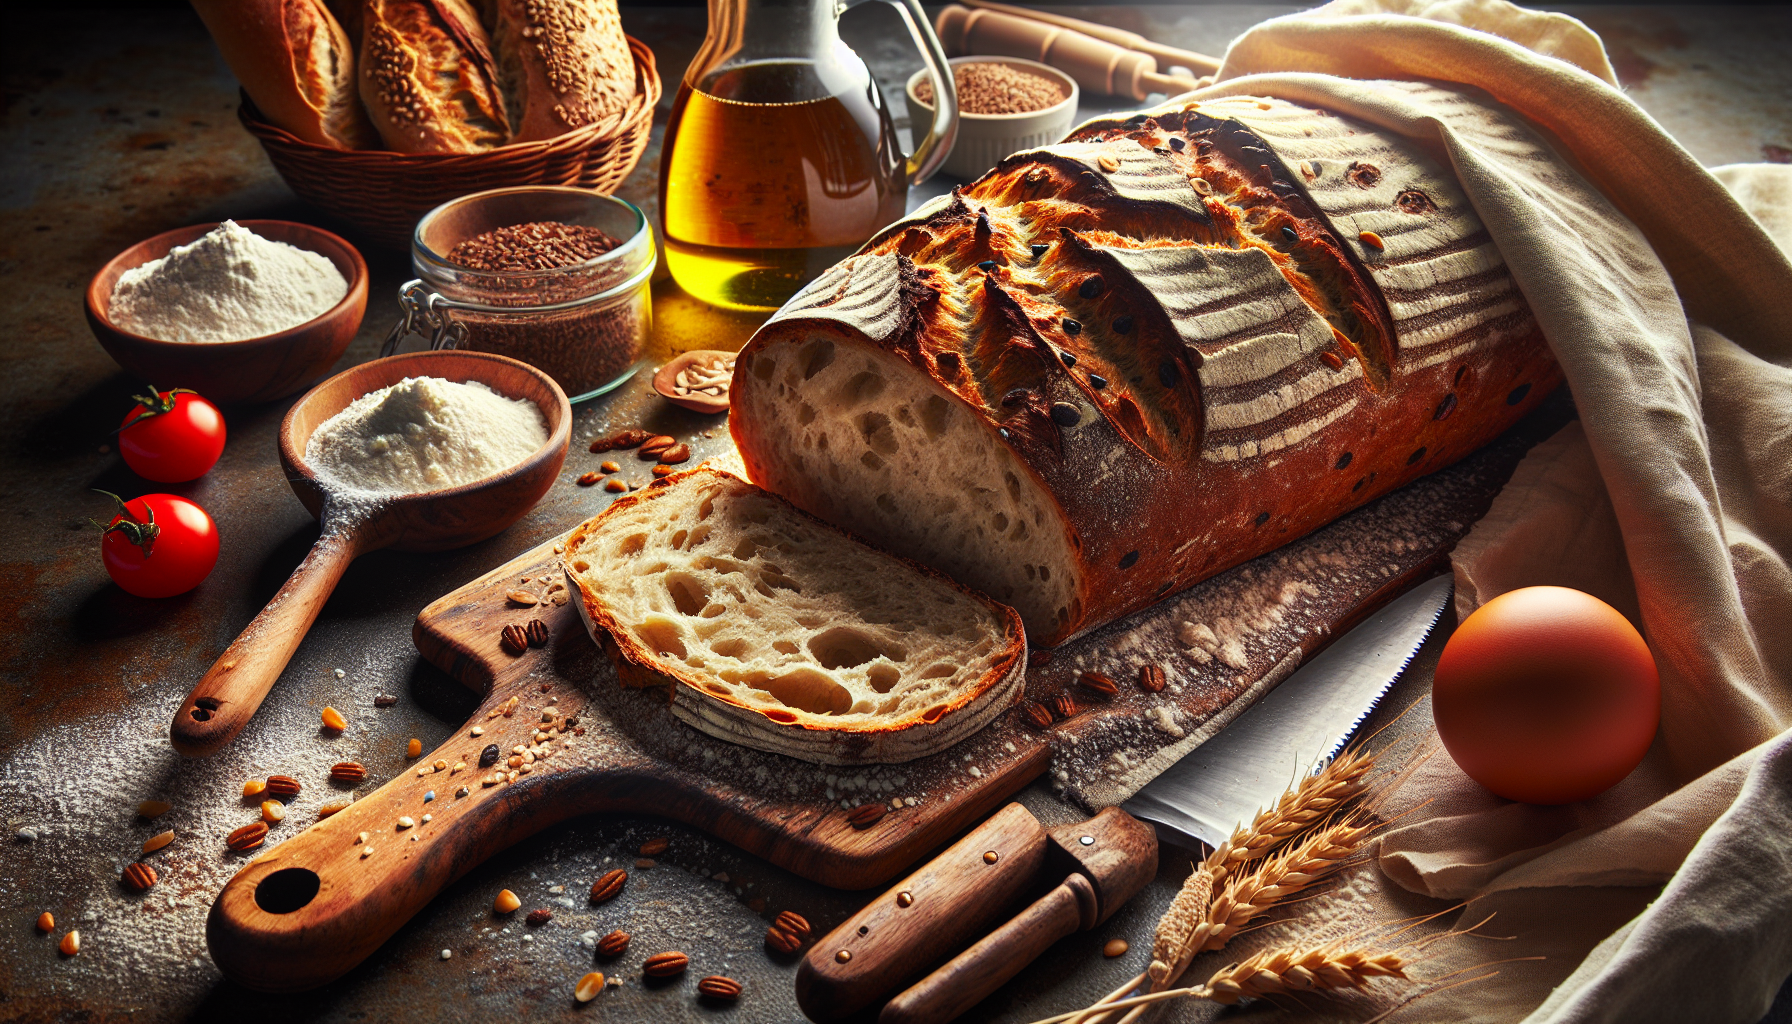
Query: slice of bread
[(780, 632)]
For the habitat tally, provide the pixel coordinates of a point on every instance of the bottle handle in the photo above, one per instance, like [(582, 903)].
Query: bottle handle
[(932, 150)]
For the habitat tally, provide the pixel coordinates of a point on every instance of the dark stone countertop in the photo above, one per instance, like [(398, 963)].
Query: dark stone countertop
[(122, 124)]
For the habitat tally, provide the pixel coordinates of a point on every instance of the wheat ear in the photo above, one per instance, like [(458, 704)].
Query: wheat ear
[(1296, 969), (1252, 893), (1176, 929), (1318, 795)]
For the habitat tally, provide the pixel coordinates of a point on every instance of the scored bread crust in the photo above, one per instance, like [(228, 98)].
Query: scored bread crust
[(565, 64), (298, 65), (1248, 318), (760, 720), (428, 77)]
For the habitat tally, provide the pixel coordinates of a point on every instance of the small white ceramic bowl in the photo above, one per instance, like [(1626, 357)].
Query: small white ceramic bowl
[(984, 139)]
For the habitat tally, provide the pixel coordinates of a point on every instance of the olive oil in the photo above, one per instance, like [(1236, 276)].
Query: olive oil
[(770, 177)]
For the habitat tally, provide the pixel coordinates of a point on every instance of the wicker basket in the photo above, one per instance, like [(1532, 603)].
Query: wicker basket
[(385, 193)]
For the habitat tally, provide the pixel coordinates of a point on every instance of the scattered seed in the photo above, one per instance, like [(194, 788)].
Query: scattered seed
[(462, 791), (477, 730), (1115, 947), (138, 877), (1108, 163), (717, 987), (676, 454), (283, 785), (589, 986), (1371, 239), (248, 837), (429, 797), (1151, 678), (1097, 683), (866, 815), (70, 944), (522, 597), (659, 471), (414, 748), (654, 447), (334, 807), (360, 839), (613, 944), (447, 954), (609, 886), (540, 916), (273, 812), (620, 440), (611, 467), (384, 700), (645, 863), (665, 965), (333, 720), (405, 822), (153, 809), (585, 479), (615, 486), (654, 847), (366, 851), (489, 756), (254, 787), (46, 922), (441, 765)]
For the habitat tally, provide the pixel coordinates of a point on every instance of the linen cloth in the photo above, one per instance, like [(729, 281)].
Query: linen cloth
[(1668, 302)]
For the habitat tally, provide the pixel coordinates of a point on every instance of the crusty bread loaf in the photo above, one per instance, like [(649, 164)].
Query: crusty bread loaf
[(777, 631), (565, 63), (428, 77), (1113, 367), (296, 63)]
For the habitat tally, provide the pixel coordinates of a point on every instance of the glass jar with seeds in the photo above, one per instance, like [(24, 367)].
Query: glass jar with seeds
[(556, 277)]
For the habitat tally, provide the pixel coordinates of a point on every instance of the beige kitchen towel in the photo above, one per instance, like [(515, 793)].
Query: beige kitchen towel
[(1669, 305)]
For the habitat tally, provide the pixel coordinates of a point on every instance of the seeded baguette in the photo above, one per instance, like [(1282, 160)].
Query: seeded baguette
[(428, 77), (564, 63), (297, 63), (777, 631), (1114, 367)]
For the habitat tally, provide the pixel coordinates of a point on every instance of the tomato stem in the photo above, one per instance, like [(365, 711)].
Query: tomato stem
[(142, 533), (154, 404)]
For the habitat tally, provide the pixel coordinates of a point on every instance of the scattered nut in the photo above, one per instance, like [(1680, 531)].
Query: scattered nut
[(540, 916), (138, 877), (866, 815), (46, 922), (794, 923), (70, 944), (1115, 947), (717, 987), (1151, 678), (248, 837), (156, 842), (612, 945), (615, 486), (506, 902), (586, 479), (522, 597), (273, 812), (609, 886), (654, 847), (610, 467), (414, 748), (589, 986), (665, 965), (782, 941), (333, 720), (333, 807), (514, 639), (676, 454), (536, 632), (254, 787), (348, 771), (1097, 683), (283, 785)]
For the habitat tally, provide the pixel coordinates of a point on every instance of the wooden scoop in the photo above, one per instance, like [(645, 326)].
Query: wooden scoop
[(223, 701)]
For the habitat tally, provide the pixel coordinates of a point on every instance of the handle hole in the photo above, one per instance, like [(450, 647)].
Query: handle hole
[(201, 715), (286, 890)]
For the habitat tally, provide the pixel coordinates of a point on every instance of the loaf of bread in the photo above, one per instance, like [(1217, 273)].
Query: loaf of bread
[(428, 77), (564, 63), (1113, 367), (777, 631), (296, 63)]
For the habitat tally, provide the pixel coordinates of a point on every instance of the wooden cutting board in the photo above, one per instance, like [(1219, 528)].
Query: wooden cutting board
[(323, 900)]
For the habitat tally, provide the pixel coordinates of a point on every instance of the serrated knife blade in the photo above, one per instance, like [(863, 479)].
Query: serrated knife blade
[(1292, 728)]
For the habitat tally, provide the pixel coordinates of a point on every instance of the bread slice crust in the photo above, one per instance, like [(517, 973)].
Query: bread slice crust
[(878, 688)]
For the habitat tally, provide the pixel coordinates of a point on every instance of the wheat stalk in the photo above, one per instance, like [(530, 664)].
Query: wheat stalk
[(1251, 894), (1318, 795), (1295, 969)]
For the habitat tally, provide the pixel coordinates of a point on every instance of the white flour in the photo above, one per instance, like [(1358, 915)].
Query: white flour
[(424, 434), (229, 285)]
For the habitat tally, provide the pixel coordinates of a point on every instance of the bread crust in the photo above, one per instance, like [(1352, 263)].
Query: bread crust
[(1241, 371), (565, 64), (807, 736), (297, 65), (428, 77)]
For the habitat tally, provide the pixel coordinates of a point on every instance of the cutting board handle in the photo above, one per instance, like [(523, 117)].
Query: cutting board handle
[(225, 698)]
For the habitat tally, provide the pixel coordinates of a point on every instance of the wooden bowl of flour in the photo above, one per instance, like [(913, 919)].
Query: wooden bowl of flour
[(225, 698), (253, 370)]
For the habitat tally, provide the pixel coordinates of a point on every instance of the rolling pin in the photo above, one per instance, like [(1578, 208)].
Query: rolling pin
[(1199, 63), (1097, 65)]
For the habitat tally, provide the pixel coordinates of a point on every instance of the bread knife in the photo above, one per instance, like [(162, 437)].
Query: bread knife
[(1296, 727)]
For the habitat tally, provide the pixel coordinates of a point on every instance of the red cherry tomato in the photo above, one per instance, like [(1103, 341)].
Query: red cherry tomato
[(171, 436), (159, 545), (1546, 695)]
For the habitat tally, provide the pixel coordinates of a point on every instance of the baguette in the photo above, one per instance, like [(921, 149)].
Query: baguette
[(428, 77), (565, 64), (777, 631), (296, 64), (1111, 368)]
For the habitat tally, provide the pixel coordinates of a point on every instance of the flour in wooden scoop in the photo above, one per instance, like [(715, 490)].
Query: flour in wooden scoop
[(424, 434)]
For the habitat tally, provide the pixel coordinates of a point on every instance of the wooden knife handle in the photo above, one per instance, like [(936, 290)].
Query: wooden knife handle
[(973, 974), (225, 698), (923, 918)]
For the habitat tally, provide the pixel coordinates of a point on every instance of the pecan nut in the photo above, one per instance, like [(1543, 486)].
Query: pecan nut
[(717, 987), (1038, 715), (283, 785), (1097, 683), (1064, 706), (1151, 678), (613, 944), (654, 847), (665, 965), (536, 633), (540, 915), (794, 923), (514, 639), (248, 837), (138, 877), (609, 886), (867, 815), (782, 941), (348, 771)]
